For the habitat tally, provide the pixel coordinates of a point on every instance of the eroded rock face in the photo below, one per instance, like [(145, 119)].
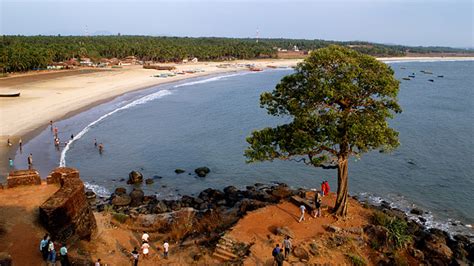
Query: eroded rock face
[(136, 197), (67, 213), (23, 178)]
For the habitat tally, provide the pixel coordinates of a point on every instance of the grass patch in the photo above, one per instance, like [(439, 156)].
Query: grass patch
[(120, 217), (356, 260), (397, 228)]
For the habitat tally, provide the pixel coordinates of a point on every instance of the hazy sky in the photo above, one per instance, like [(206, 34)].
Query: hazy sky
[(410, 22)]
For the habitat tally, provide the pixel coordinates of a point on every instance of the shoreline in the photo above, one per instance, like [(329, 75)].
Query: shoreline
[(121, 81)]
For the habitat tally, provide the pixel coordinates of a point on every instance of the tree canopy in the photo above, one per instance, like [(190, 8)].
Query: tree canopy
[(339, 101)]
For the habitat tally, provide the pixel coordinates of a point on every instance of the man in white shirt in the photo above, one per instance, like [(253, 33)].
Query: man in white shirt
[(302, 209), (145, 236)]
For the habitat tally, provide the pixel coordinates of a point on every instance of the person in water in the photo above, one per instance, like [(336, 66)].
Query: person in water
[(101, 148)]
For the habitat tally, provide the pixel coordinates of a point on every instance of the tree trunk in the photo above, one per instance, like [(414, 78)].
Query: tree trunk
[(340, 208)]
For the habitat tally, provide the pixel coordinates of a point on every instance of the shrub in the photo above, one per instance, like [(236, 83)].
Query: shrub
[(356, 260), (120, 217), (397, 228)]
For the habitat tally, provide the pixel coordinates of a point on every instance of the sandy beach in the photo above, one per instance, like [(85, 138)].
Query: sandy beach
[(56, 95)]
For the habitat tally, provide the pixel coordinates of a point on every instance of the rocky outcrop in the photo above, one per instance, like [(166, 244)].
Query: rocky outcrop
[(58, 175), (135, 177), (202, 171), (23, 178), (136, 197), (67, 214)]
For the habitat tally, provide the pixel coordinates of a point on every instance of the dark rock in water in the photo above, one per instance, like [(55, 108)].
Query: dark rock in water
[(250, 188), (90, 195), (135, 177), (122, 179), (259, 185), (179, 171), (423, 220), (121, 200), (187, 201), (157, 177), (301, 253), (202, 171), (160, 207), (136, 197), (416, 211), (149, 181), (120, 191)]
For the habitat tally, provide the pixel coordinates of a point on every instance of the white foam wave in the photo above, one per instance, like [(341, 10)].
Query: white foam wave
[(98, 190), (142, 100), (388, 61), (211, 79)]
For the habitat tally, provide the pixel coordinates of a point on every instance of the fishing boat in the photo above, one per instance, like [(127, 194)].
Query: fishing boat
[(411, 76), (9, 93), (431, 80), (255, 69), (406, 78), (440, 76)]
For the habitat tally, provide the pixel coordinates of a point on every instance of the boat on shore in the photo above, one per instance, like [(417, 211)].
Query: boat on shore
[(9, 94), (255, 69), (406, 78)]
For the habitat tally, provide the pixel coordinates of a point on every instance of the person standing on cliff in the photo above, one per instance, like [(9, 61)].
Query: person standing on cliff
[(64, 257), (135, 256), (327, 187), (51, 252), (166, 247), (317, 204), (30, 161), (302, 210), (44, 246), (287, 246)]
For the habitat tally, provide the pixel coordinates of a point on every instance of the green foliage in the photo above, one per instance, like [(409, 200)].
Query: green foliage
[(21, 53), (120, 217), (338, 100), (397, 228), (356, 260)]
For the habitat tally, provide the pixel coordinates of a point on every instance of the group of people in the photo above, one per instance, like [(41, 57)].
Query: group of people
[(280, 254), (48, 251), (145, 249), (318, 198)]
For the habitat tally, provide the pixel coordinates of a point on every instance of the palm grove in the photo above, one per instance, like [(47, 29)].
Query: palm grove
[(339, 101)]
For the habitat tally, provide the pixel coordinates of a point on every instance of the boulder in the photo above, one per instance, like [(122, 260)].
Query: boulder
[(284, 231), (301, 253), (416, 211), (332, 228), (179, 171), (58, 174), (90, 195), (136, 197), (281, 191), (247, 205), (135, 177), (121, 200), (149, 181), (202, 171), (120, 191), (435, 249), (160, 207)]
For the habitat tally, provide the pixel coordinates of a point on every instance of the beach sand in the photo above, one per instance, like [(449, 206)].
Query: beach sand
[(56, 95)]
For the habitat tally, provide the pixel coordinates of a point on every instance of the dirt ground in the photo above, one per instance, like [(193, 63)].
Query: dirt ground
[(21, 234)]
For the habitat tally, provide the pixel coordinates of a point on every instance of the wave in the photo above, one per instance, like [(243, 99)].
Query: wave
[(212, 79), (427, 219), (142, 100), (414, 60), (98, 190)]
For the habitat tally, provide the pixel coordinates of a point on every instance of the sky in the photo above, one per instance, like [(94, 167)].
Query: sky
[(407, 22)]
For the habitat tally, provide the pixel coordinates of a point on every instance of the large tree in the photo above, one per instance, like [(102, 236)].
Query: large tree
[(338, 101)]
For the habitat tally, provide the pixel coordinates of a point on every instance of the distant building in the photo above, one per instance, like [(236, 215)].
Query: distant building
[(295, 48), (85, 61), (194, 60)]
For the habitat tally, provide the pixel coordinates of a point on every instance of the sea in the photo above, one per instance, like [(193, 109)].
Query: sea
[(205, 122)]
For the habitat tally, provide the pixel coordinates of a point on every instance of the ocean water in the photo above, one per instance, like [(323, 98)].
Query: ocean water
[(205, 122)]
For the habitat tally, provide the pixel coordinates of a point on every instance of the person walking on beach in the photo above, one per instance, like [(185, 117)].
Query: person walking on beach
[(302, 210), (317, 204), (51, 252), (287, 246), (135, 256), (30, 161), (44, 246), (166, 247), (95, 143), (21, 144), (51, 124), (10, 163), (9, 143), (64, 257), (101, 148)]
